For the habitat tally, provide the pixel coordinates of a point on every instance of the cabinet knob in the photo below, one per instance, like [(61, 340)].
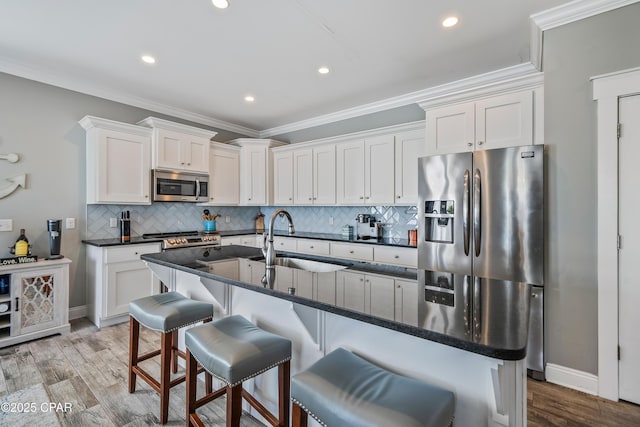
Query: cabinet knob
[(367, 281), (361, 279), (479, 142), (188, 164), (350, 252), (211, 198), (289, 198), (249, 198), (182, 163), (315, 198), (136, 253), (399, 197), (146, 196), (309, 198), (367, 197), (469, 144), (361, 197), (397, 256), (311, 247)]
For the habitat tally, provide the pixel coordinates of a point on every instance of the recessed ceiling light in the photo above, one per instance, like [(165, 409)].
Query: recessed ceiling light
[(148, 59), (249, 98), (323, 70), (220, 4), (450, 21)]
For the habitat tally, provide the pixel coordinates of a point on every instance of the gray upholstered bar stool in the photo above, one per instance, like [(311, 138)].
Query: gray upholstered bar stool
[(235, 350), (164, 313), (342, 389)]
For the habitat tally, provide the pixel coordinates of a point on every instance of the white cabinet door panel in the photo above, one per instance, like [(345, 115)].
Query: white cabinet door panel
[(303, 177), (324, 175), (283, 178), (351, 172), (409, 147), (451, 129), (504, 121), (379, 170)]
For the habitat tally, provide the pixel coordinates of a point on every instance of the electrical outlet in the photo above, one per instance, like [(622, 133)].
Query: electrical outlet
[(330, 220), (70, 223), (113, 222), (6, 225), (227, 219)]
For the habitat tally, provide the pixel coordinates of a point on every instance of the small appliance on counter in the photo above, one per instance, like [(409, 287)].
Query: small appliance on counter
[(368, 228), (125, 226), (54, 226)]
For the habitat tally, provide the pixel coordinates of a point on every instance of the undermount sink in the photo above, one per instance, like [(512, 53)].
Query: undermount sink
[(307, 264)]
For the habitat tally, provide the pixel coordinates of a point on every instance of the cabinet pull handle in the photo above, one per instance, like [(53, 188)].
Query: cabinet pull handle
[(479, 142), (469, 144), (17, 304)]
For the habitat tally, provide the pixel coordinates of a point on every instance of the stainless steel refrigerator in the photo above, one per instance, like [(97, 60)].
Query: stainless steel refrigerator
[(481, 214)]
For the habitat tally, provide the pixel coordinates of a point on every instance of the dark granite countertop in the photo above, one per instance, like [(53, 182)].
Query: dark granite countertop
[(488, 317), (387, 241)]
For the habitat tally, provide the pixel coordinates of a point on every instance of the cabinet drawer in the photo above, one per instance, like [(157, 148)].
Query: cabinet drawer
[(317, 247), (128, 253), (396, 256), (284, 243), (359, 252)]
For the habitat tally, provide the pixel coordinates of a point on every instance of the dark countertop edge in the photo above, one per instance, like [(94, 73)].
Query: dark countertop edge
[(138, 240), (496, 353)]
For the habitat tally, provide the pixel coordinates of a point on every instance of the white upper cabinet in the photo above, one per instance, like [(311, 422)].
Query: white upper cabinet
[(303, 177), (283, 178), (256, 170), (324, 174), (410, 146), (118, 162), (366, 171), (224, 175), (492, 122), (314, 175), (179, 147)]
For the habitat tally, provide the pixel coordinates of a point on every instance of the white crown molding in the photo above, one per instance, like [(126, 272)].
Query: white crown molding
[(90, 122), (489, 84), (154, 122), (406, 99), (575, 11), (20, 70), (402, 127)]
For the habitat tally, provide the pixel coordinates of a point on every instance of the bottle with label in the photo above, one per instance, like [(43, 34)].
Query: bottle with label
[(21, 247)]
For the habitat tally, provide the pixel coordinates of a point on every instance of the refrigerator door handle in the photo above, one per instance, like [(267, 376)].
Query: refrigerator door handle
[(465, 211), (476, 210)]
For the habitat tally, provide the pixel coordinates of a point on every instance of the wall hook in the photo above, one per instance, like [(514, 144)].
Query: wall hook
[(11, 157)]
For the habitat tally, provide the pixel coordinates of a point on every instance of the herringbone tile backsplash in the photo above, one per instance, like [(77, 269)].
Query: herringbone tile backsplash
[(163, 217)]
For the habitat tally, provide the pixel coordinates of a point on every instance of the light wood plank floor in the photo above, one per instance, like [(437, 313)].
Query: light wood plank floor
[(88, 368)]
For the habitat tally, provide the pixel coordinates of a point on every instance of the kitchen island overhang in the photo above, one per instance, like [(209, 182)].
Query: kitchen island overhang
[(489, 381), (490, 318)]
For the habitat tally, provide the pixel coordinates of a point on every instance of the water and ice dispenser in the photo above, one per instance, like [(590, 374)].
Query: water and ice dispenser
[(439, 215)]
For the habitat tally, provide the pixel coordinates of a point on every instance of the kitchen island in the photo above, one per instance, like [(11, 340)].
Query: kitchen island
[(470, 338)]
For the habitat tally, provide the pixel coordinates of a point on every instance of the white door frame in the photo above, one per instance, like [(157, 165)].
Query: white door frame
[(606, 91)]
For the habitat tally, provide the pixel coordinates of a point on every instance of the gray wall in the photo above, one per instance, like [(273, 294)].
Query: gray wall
[(40, 123), (572, 54)]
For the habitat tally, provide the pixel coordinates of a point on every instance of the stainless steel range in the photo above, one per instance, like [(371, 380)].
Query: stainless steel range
[(185, 239)]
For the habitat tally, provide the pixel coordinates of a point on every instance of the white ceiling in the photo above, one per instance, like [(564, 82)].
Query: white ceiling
[(208, 59)]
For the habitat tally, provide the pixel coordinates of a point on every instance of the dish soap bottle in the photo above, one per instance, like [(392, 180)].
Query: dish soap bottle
[(22, 245)]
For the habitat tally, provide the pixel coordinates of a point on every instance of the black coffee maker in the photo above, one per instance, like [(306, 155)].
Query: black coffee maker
[(54, 226)]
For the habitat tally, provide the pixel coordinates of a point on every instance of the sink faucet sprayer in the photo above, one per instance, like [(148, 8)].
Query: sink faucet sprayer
[(268, 250)]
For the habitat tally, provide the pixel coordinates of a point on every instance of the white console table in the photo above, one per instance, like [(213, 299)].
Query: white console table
[(37, 304)]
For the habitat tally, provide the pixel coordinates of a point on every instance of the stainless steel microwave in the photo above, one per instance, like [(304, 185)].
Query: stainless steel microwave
[(170, 186)]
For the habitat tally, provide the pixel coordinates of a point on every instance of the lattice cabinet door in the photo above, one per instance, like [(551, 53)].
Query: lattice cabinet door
[(38, 297)]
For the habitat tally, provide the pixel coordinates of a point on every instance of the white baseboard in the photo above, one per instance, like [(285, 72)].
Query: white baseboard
[(77, 312), (572, 378)]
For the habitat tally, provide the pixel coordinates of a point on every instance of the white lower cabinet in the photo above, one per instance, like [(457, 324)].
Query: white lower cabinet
[(355, 251), (366, 293), (253, 240), (394, 255), (315, 247), (37, 304), (407, 301), (115, 277)]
